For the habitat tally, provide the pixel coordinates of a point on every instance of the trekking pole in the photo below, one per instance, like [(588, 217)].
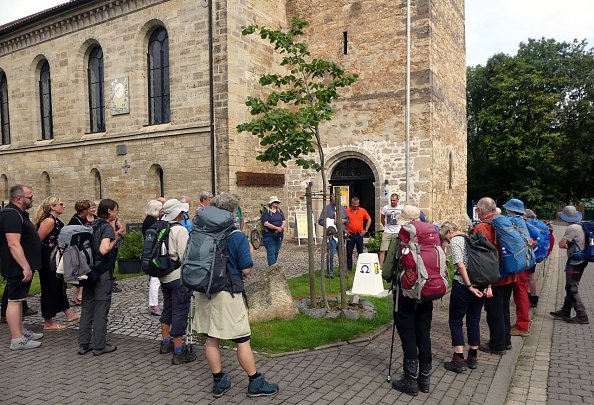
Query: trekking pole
[(189, 337), (393, 330)]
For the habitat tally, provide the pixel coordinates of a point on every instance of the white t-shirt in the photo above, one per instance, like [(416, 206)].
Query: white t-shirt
[(390, 213)]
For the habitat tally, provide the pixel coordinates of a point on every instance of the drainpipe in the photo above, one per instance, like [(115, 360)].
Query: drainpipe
[(213, 157), (407, 106)]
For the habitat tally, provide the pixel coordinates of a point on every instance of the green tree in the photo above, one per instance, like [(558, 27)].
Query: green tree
[(287, 121), (524, 111)]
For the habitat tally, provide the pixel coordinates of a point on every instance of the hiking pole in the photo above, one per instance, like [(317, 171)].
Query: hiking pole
[(393, 330), (189, 337)]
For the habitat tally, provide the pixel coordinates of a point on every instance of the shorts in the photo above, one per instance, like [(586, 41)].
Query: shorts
[(16, 290), (386, 239), (223, 316)]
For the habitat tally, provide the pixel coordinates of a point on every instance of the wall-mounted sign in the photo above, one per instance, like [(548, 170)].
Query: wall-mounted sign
[(260, 179), (120, 100)]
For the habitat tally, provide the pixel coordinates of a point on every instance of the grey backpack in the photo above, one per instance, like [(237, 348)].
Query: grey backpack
[(74, 254), (204, 265)]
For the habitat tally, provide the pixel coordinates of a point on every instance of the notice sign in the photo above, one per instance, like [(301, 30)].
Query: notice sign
[(368, 277), (301, 222)]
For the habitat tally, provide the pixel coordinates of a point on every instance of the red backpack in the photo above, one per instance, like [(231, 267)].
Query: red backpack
[(424, 274)]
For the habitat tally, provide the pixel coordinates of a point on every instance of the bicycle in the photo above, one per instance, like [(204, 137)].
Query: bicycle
[(255, 232)]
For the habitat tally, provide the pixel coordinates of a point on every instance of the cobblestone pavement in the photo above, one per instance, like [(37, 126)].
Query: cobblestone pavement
[(352, 373)]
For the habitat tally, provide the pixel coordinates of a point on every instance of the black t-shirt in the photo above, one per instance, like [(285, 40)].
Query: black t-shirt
[(103, 230), (14, 220), (76, 220)]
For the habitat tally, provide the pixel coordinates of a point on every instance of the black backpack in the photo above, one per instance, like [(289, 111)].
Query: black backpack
[(155, 260), (483, 260)]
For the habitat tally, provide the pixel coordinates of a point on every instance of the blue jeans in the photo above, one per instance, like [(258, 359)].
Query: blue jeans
[(463, 303), (355, 239), (333, 249), (272, 243)]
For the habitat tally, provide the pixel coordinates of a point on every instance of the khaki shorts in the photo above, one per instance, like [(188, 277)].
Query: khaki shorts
[(223, 316), (386, 239)]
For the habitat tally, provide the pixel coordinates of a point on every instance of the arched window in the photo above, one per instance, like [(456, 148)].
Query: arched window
[(45, 100), (97, 186), (96, 98), (158, 77), (4, 190), (157, 182), (4, 118), (46, 186)]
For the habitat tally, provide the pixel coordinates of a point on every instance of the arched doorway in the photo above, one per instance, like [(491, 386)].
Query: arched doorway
[(358, 176)]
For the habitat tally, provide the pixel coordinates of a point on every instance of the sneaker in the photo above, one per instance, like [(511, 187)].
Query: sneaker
[(30, 312), (116, 289), (23, 343), (487, 349), (183, 357), (106, 349), (155, 310), (518, 332), (471, 361), (32, 335), (456, 364), (560, 314), (221, 386), (260, 388), (166, 347), (84, 349), (583, 320), (508, 347)]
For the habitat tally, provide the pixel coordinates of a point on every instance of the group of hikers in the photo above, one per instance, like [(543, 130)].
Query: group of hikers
[(178, 254)]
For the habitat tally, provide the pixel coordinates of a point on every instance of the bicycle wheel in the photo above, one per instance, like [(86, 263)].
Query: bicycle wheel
[(255, 238)]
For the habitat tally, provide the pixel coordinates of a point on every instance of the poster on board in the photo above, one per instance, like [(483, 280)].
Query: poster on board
[(301, 222), (342, 194)]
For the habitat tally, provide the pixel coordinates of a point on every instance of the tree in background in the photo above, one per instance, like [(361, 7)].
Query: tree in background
[(288, 120), (530, 124)]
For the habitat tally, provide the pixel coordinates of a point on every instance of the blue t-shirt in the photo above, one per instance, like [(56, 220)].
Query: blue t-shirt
[(275, 218), (238, 254)]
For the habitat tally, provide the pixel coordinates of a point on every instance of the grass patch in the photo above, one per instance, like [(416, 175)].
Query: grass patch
[(304, 332)]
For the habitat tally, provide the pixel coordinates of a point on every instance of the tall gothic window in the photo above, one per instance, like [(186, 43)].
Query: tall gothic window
[(158, 77), (45, 101), (4, 118), (96, 99)]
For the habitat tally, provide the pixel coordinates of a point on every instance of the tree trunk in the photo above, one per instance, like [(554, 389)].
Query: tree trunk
[(310, 249), (323, 265), (341, 256)]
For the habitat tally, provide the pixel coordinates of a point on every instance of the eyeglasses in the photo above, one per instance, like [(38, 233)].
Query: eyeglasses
[(24, 196)]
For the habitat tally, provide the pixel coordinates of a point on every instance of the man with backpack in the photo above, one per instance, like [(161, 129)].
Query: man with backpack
[(574, 240), (222, 311), (540, 233), (176, 297)]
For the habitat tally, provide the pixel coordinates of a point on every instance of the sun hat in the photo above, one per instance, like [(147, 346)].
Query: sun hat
[(409, 213), (273, 199), (172, 208), (515, 205), (570, 214)]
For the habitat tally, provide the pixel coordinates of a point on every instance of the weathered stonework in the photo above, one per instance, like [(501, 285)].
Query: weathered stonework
[(369, 121)]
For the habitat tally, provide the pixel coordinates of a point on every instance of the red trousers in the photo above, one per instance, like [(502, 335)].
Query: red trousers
[(522, 302)]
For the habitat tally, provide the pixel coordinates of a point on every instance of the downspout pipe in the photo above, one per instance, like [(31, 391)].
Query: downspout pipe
[(213, 157), (407, 106)]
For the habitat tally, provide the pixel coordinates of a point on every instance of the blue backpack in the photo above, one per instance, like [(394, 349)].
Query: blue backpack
[(540, 233), (588, 253), (514, 240)]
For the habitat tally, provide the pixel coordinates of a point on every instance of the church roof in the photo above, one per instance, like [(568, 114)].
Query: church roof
[(21, 22)]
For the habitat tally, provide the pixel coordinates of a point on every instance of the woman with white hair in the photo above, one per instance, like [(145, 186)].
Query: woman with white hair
[(152, 212)]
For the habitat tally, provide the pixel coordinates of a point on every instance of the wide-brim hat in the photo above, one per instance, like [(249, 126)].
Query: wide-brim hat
[(172, 208), (409, 213), (515, 205), (570, 214), (273, 199)]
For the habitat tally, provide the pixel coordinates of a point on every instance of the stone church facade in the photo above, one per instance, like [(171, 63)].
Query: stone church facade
[(139, 147)]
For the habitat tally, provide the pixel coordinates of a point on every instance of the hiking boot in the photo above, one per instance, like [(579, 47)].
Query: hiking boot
[(560, 314), (106, 349), (583, 320), (260, 388), (30, 312), (423, 380), (221, 386), (32, 335), (487, 349), (183, 357), (456, 364), (116, 289), (166, 347), (3, 320), (23, 343), (518, 332), (84, 349), (533, 300), (471, 361), (508, 347), (408, 383), (155, 310)]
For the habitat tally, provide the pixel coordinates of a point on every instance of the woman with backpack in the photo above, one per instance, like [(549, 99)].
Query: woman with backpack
[(53, 288), (152, 212), (274, 223), (466, 301), (92, 332)]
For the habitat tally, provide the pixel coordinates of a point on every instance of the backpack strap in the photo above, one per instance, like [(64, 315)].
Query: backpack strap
[(12, 209)]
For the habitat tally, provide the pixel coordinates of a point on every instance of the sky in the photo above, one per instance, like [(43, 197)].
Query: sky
[(492, 26)]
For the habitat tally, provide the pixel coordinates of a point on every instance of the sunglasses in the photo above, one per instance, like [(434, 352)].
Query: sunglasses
[(30, 198)]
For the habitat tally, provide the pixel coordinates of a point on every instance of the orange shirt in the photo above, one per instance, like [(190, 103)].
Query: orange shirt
[(489, 231), (356, 218)]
